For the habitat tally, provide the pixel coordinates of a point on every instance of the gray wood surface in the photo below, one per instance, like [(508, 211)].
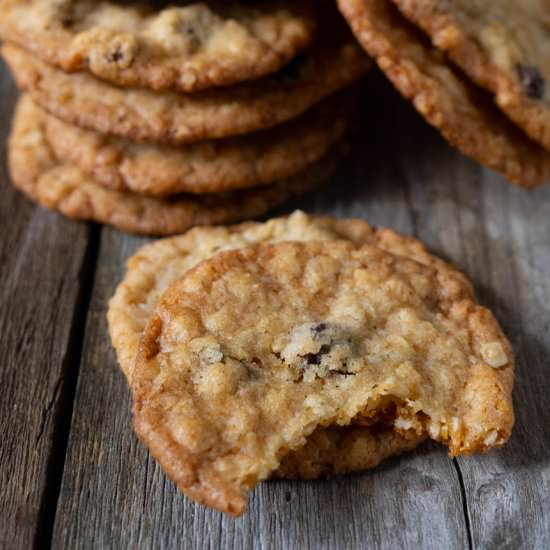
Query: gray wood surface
[(509, 490), (40, 289), (112, 495)]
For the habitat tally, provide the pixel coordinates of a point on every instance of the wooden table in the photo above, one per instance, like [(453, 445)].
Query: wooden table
[(73, 475)]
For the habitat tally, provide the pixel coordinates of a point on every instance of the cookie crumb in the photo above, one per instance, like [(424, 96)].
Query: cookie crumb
[(494, 355), (210, 356), (491, 438)]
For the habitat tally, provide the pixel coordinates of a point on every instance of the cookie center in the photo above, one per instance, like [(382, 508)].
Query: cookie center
[(318, 350)]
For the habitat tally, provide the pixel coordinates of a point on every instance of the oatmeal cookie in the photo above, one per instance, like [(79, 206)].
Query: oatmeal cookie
[(463, 114), (252, 350), (503, 46), (328, 451), (188, 47), (170, 117), (211, 166), (63, 187)]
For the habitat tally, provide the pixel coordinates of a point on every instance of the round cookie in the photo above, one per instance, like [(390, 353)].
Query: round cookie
[(157, 265), (208, 166), (176, 118), (253, 349), (447, 100), (503, 46), (188, 47), (63, 187)]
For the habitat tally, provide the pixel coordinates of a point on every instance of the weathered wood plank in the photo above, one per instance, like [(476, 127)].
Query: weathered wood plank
[(508, 492), (498, 234), (114, 495), (41, 256)]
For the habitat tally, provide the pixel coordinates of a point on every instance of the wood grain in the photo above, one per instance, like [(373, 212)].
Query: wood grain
[(41, 256), (114, 494), (508, 491)]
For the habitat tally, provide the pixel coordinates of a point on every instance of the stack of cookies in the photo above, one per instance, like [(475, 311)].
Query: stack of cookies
[(303, 347), (155, 117), (476, 71)]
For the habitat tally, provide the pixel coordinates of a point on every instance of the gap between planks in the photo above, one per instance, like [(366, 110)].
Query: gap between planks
[(65, 393), (464, 504)]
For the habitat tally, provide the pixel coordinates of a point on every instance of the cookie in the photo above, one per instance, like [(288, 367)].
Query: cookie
[(176, 118), (155, 266), (63, 187), (463, 114), (502, 46), (207, 166), (253, 349), (187, 47), (328, 451)]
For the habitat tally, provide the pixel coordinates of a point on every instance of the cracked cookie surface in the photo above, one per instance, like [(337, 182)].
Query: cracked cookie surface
[(208, 166), (39, 174), (170, 117), (254, 349), (502, 45), (185, 46), (466, 117)]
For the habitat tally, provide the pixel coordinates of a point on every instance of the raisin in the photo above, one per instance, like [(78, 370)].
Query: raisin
[(192, 33), (315, 358), (316, 329), (115, 57), (67, 20), (532, 81), (189, 31)]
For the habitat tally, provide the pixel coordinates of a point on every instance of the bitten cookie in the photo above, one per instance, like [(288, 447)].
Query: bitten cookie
[(252, 350), (328, 451), (187, 47), (39, 174), (466, 117)]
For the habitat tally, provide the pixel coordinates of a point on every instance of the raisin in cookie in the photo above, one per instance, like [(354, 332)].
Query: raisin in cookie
[(447, 100), (502, 45), (254, 349), (211, 166), (170, 117), (189, 47), (63, 187)]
